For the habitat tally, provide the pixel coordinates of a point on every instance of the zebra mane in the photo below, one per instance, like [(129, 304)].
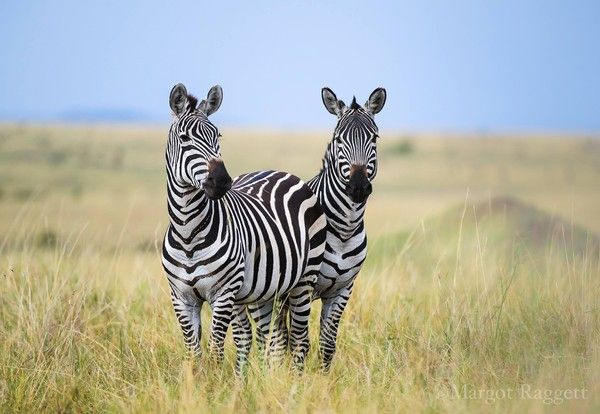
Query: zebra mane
[(192, 101), (327, 159), (354, 105)]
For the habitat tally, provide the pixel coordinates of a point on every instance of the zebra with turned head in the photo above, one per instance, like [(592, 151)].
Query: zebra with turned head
[(342, 188), (231, 243)]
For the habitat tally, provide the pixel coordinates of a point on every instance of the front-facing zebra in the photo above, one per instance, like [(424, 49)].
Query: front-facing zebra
[(231, 244), (342, 187)]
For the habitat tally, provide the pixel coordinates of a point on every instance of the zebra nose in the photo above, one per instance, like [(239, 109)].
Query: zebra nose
[(218, 181), (359, 187)]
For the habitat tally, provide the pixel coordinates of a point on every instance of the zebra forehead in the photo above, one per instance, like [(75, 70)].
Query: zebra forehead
[(359, 121), (197, 120)]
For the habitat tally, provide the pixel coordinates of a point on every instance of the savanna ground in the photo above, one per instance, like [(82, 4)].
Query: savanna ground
[(481, 291)]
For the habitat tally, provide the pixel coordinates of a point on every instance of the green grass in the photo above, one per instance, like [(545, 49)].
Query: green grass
[(483, 275)]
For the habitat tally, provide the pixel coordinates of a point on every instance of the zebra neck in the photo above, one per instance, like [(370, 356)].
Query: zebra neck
[(345, 217), (196, 221)]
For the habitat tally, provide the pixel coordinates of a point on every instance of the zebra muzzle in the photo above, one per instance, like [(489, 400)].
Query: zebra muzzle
[(218, 181), (359, 187)]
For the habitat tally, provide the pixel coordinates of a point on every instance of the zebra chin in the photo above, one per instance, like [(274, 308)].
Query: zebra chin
[(359, 196), (215, 193)]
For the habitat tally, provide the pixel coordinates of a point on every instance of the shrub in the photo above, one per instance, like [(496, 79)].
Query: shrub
[(23, 194), (47, 239), (403, 147)]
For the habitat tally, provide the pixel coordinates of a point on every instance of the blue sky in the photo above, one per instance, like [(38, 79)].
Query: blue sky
[(464, 66)]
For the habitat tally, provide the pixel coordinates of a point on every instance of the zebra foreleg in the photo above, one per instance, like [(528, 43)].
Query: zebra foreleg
[(331, 313), (188, 315), (242, 337), (222, 314)]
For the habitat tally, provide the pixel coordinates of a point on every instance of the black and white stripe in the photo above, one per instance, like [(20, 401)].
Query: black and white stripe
[(250, 242)]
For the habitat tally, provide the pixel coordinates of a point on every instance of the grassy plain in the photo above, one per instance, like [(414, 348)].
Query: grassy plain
[(481, 291)]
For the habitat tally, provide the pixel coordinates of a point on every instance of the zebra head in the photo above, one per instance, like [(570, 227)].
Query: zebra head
[(354, 143), (193, 151)]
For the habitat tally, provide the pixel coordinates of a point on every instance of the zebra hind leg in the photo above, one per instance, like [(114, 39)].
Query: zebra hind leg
[(188, 315), (242, 337), (278, 344), (271, 330), (261, 314)]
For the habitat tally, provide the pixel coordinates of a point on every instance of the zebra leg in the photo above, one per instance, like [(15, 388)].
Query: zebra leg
[(276, 334), (261, 314), (242, 337), (331, 314), (299, 307), (188, 315), (278, 344), (222, 314)]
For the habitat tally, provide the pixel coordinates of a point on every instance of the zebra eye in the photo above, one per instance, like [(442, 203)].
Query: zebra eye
[(184, 138), (374, 138)]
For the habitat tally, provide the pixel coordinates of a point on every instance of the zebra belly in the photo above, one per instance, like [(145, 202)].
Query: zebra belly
[(248, 295), (256, 288), (341, 263), (202, 284)]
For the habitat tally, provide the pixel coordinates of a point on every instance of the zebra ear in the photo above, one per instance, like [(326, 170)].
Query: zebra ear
[(213, 100), (376, 101), (334, 105), (178, 98)]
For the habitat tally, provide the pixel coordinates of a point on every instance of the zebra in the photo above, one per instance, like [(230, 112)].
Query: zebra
[(342, 187), (232, 243)]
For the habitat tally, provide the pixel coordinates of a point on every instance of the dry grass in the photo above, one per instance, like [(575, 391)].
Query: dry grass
[(456, 297)]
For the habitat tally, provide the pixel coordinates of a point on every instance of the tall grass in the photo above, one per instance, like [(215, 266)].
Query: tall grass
[(434, 316)]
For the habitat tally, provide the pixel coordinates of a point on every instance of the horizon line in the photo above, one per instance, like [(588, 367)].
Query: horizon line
[(393, 131)]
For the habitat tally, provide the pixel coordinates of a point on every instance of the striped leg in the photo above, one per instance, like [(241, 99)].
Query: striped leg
[(331, 314), (188, 315), (299, 309), (275, 333), (261, 314), (242, 337), (278, 345), (222, 314)]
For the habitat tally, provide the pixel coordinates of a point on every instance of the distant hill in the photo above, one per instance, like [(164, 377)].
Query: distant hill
[(525, 224), (498, 226), (106, 115)]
